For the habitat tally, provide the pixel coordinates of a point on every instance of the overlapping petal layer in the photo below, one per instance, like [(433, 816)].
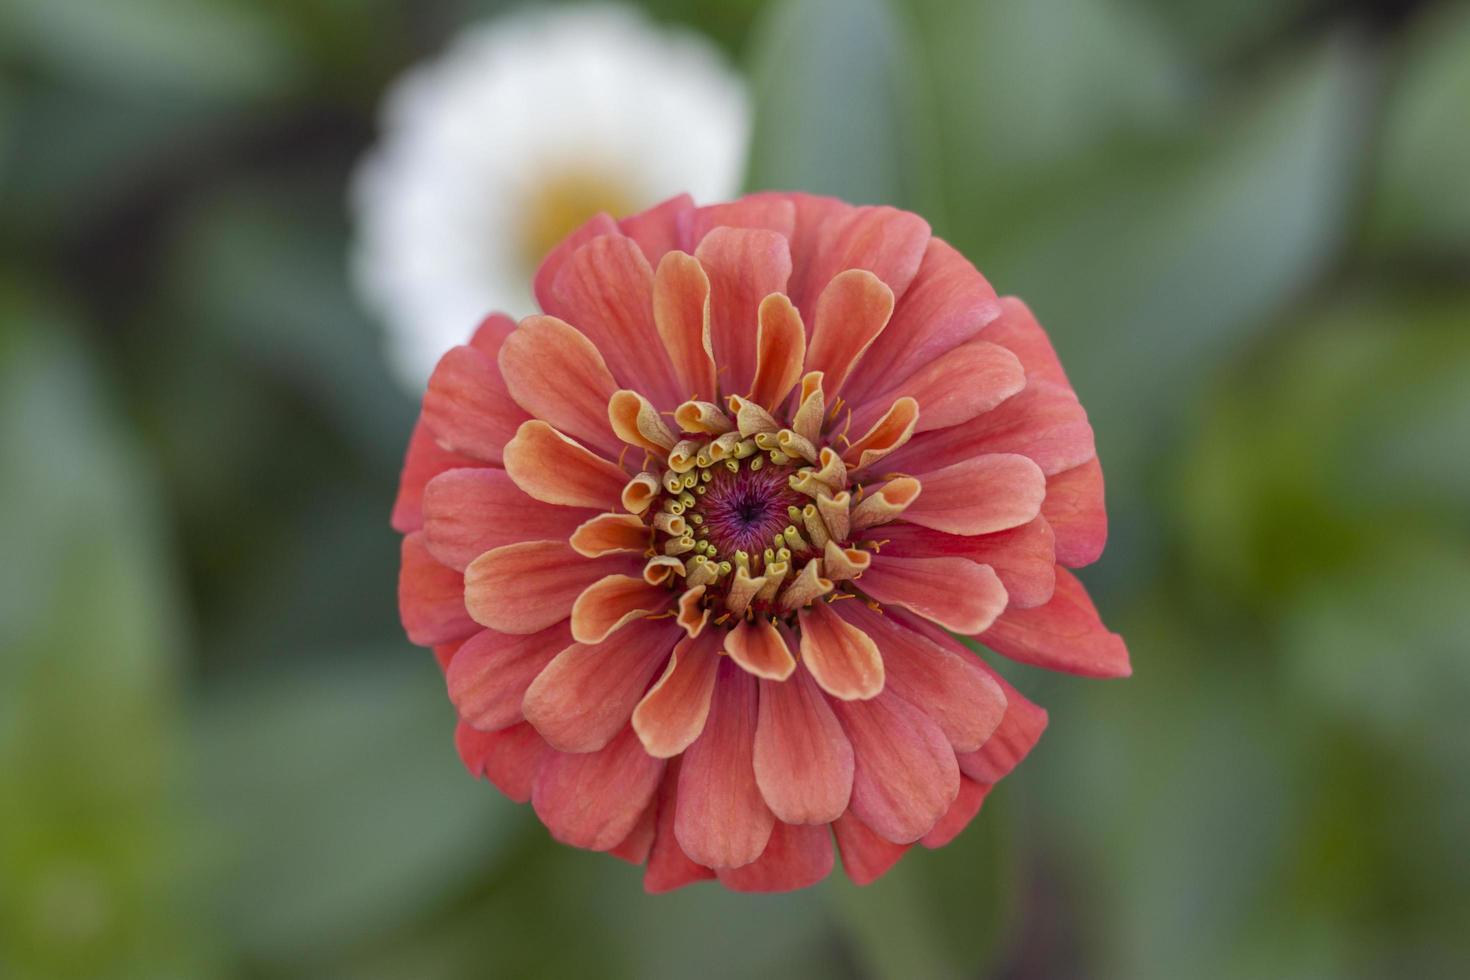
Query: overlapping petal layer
[(691, 545)]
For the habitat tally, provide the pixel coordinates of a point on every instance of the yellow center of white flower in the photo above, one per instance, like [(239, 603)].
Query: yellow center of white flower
[(562, 201)]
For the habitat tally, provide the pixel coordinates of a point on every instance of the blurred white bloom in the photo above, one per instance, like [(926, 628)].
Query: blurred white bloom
[(524, 128)]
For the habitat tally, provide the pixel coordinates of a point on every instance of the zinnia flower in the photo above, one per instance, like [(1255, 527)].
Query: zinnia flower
[(691, 544), (526, 127)]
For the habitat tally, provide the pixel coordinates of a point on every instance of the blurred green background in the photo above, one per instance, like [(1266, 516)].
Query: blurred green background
[(1247, 226)]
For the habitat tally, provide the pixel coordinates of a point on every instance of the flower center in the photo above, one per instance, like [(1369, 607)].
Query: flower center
[(744, 508)]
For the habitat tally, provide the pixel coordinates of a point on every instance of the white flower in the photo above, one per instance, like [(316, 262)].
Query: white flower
[(524, 128)]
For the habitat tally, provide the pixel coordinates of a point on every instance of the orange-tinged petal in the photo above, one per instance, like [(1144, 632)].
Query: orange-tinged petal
[(1075, 508), (980, 495), (887, 435), (780, 351), (885, 241), (610, 603), (964, 808), (558, 470), (508, 757), (758, 647), (467, 406), (430, 597), (1065, 634), (904, 771), (795, 857), (681, 312), (469, 511), (558, 376), (803, 760), (673, 713), (595, 799), (968, 381), (586, 694), (668, 866), (722, 821), (744, 267), (851, 312), (866, 857), (951, 688), (638, 424), (606, 534), (956, 593), (841, 658), (605, 290), (489, 674), (524, 588)]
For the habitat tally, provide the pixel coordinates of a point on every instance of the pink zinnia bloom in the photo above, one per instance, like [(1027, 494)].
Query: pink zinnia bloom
[(691, 545)]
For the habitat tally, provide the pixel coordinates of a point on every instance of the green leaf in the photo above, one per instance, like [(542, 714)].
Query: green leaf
[(1149, 270), (93, 883), (1422, 192), (188, 49), (838, 104), (335, 801)]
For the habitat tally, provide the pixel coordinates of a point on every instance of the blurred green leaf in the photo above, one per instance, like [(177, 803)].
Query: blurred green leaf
[(1024, 91), (838, 107), (1422, 192), (1152, 269), (89, 639), (189, 49), (335, 802)]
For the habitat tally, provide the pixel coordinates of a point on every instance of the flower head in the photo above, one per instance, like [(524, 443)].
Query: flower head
[(692, 544), (528, 125)]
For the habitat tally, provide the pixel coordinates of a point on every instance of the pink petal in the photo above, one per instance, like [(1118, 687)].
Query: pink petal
[(668, 866), (1065, 634), (661, 228), (780, 351), (947, 304), (904, 771), (803, 760), (1044, 422), (430, 597), (959, 815), (1075, 509), (1023, 557), (866, 857), (597, 226), (636, 846), (1016, 328), (608, 534), (951, 688), (980, 495), (444, 653), (760, 649), (722, 821), (524, 588), (673, 713), (467, 406), (955, 592), (491, 333), (424, 460), (1019, 730), (968, 381), (467, 512), (586, 694), (886, 241), (681, 313), (605, 290), (796, 857), (552, 468), (842, 659), (508, 758), (613, 602), (489, 675), (558, 376), (771, 211), (744, 267), (595, 799), (851, 312)]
